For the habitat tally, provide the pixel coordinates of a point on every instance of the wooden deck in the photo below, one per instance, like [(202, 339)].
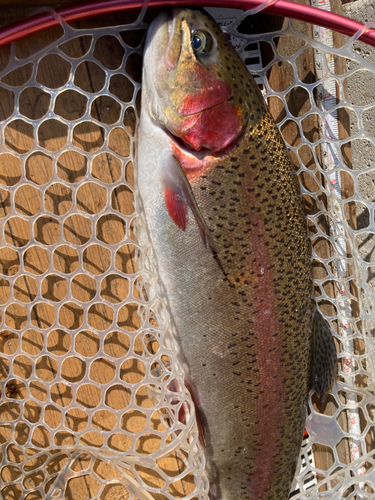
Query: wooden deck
[(86, 283)]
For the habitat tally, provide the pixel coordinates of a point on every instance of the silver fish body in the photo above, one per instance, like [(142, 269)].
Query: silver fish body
[(229, 236)]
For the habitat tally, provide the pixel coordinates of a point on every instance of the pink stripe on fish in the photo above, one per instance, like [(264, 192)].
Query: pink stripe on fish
[(269, 354)]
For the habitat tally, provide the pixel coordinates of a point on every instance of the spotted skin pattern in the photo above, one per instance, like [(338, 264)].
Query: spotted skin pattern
[(243, 312), (251, 196)]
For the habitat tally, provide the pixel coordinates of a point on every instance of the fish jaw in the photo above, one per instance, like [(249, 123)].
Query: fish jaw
[(194, 98)]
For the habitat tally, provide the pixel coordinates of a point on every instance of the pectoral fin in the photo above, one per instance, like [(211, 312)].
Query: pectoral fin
[(178, 196), (176, 206), (324, 365)]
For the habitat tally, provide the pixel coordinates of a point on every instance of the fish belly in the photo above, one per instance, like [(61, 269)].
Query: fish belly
[(241, 316)]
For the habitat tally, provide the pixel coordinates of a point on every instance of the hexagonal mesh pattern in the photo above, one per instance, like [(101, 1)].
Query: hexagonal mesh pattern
[(91, 390)]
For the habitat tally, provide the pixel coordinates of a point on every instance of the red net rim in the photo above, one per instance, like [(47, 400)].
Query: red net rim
[(284, 8)]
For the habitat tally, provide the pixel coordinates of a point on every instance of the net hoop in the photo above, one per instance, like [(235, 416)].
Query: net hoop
[(283, 8)]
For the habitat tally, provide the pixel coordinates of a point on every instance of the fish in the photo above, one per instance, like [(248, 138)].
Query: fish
[(224, 215)]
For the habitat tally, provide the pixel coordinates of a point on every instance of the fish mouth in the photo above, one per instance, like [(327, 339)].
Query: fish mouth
[(163, 20), (163, 30), (172, 55), (159, 28)]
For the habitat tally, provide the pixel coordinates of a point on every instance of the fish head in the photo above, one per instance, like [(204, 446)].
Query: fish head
[(195, 82)]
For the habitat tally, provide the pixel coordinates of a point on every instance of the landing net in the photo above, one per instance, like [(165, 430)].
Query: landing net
[(91, 390)]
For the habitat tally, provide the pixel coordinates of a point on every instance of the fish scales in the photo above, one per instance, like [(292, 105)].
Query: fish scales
[(267, 293), (242, 311)]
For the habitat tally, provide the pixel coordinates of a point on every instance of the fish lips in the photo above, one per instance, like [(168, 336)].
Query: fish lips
[(161, 41)]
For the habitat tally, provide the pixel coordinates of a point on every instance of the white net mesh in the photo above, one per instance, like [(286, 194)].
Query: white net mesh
[(91, 390)]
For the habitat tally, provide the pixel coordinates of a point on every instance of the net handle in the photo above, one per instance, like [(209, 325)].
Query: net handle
[(283, 8)]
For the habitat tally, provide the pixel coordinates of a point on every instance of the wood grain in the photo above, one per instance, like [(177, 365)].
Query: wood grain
[(72, 168), (91, 198)]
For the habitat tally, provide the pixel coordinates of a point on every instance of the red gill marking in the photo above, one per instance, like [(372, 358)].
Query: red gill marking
[(177, 208), (215, 129), (204, 91)]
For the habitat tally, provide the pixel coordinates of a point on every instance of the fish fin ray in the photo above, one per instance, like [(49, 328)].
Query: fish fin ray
[(324, 365), (198, 414), (177, 193), (176, 206)]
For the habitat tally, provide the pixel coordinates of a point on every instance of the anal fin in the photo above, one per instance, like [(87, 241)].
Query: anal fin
[(324, 363), (198, 414)]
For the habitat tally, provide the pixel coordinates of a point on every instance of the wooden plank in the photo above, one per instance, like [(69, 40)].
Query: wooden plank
[(91, 198), (351, 215)]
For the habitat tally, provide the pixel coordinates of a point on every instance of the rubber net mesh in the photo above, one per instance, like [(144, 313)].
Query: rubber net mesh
[(91, 389)]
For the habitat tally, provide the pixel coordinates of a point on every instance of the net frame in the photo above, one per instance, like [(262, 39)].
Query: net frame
[(343, 478), (284, 8)]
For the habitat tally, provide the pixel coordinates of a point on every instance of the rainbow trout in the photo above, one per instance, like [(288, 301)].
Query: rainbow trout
[(225, 220)]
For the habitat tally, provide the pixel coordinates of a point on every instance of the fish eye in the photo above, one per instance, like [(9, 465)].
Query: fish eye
[(202, 42)]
